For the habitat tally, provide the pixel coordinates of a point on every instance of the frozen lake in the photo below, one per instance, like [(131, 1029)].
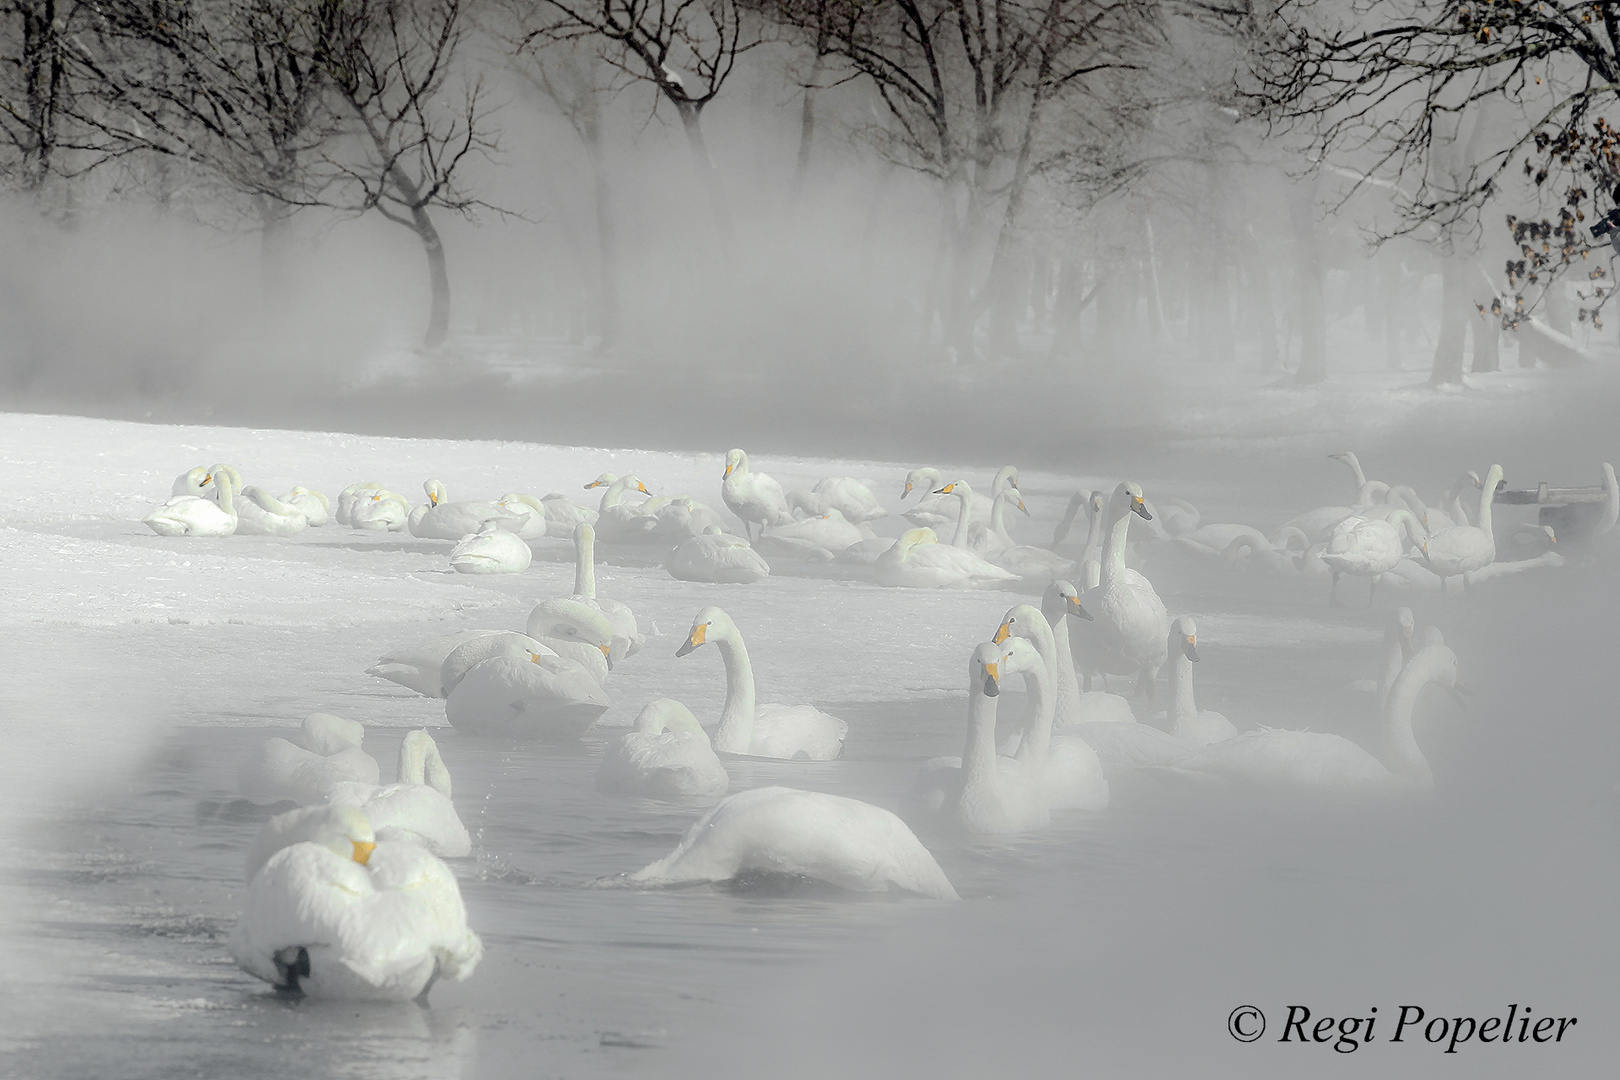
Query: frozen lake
[(143, 669)]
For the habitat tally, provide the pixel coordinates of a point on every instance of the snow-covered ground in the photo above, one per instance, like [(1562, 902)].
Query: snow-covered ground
[(142, 668)]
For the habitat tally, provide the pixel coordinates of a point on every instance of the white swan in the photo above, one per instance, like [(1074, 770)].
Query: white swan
[(983, 793), (1317, 761), (1074, 706), (312, 504), (819, 539), (345, 918), (667, 756), (483, 646), (538, 696), (627, 636), (325, 751), (530, 512), (194, 515), (683, 517), (1397, 650), (417, 667), (1193, 726), (553, 514), (576, 631), (1370, 548), (1025, 560), (617, 520), (810, 834), (849, 496), (1070, 770), (783, 732), (491, 550), (717, 557), (932, 511), (349, 496), (193, 481), (416, 808), (919, 561), (379, 510), (756, 498), (1464, 549), (259, 513), (1129, 618), (439, 519)]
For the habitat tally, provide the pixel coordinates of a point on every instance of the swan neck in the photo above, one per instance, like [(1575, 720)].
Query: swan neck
[(735, 735), (979, 754), (1066, 693), (1354, 464), (1094, 536), (1182, 706), (1485, 499), (227, 491), (615, 494), (1406, 758), (1043, 704), (964, 513), (585, 565), (1113, 556)]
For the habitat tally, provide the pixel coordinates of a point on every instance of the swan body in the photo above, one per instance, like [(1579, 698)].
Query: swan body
[(719, 558), (1073, 707), (818, 538), (667, 756), (627, 635), (1370, 547), (258, 513), (377, 926), (917, 560), (439, 519), (491, 550), (1464, 549), (830, 838), (349, 496), (416, 808), (782, 732), (377, 510), (683, 517), (1193, 727), (983, 793), (1071, 772), (865, 552), (850, 497), (418, 667), (932, 511), (480, 647), (577, 631), (617, 520), (756, 498), (315, 507), (1129, 618), (1316, 761), (541, 696), (194, 515), (530, 511), (304, 769)]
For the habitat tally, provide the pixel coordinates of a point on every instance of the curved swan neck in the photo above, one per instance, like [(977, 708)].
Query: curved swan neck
[(735, 735), (1488, 496), (1037, 738), (964, 514), (1094, 535), (1406, 759), (226, 483), (1354, 464), (1061, 533), (1119, 525), (584, 563), (1066, 692)]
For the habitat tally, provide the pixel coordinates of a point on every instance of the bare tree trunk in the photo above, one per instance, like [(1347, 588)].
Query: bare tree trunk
[(1448, 350), (275, 237), (1484, 324), (438, 276), (1308, 259), (1150, 280), (692, 121), (1393, 298), (807, 118), (1263, 309)]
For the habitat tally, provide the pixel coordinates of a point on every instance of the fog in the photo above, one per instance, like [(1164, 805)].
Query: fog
[(1102, 242)]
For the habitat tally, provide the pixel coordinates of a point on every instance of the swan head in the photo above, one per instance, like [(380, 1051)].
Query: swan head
[(436, 491), (710, 624), (1062, 598), (1019, 621), (584, 533), (736, 461), (1404, 622), (666, 714), (346, 831), (1094, 505), (984, 669), (1436, 663), (1011, 495), (959, 488), (1006, 477), (912, 538), (603, 480), (1130, 493), (634, 482), (1020, 657), (564, 619), (1184, 636)]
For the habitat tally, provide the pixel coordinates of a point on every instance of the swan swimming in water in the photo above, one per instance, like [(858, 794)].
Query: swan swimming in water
[(783, 732), (667, 756), (811, 834), (324, 752), (1129, 618), (1320, 762), (533, 695), (1194, 727), (417, 667), (576, 630), (343, 916), (416, 807)]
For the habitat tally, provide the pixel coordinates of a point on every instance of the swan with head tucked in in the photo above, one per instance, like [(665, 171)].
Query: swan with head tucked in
[(260, 513), (575, 630), (440, 519), (627, 636), (195, 515), (781, 732), (1129, 620), (849, 496), (719, 558), (491, 550), (343, 916), (417, 667), (1070, 770), (817, 539), (667, 756), (349, 496), (1464, 549), (755, 497), (530, 511), (416, 807), (1320, 762), (982, 792), (532, 695), (810, 834), (484, 646), (1193, 726), (315, 507), (379, 510), (324, 752), (1370, 548), (919, 561)]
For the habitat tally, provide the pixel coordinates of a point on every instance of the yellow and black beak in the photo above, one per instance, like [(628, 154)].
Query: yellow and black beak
[(208, 478), (1003, 632), (946, 490), (727, 472), (698, 636), (642, 488), (1077, 611), (1189, 646), (903, 494), (1139, 508), (992, 685), (1022, 507), (607, 654), (363, 850), (593, 484)]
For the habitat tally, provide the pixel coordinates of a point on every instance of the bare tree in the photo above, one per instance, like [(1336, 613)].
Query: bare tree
[(390, 63), (34, 84)]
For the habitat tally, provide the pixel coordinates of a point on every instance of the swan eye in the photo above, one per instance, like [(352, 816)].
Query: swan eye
[(572, 632)]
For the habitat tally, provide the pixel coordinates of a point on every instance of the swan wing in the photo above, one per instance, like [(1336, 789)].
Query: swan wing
[(664, 765), (787, 732)]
